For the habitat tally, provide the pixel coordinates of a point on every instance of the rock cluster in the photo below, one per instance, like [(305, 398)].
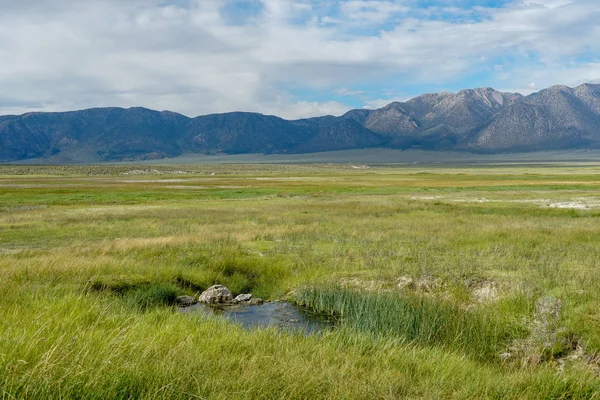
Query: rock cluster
[(219, 294)]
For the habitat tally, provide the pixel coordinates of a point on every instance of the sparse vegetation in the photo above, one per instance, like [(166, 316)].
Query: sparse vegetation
[(447, 283)]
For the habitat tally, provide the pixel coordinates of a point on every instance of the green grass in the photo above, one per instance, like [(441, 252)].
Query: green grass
[(91, 261), (481, 334)]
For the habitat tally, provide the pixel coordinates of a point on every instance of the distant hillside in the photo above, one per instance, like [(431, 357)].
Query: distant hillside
[(475, 120)]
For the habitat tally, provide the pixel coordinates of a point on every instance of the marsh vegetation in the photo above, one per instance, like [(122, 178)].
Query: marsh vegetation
[(444, 282)]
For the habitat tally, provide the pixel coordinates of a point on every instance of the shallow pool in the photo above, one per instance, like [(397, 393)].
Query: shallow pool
[(281, 315)]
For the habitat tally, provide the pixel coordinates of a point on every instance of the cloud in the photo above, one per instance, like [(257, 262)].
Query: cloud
[(307, 109), (347, 92), (548, 3), (191, 56), (378, 103)]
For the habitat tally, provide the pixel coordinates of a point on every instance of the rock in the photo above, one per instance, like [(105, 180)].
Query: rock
[(255, 301), (242, 298), (217, 294), (185, 301)]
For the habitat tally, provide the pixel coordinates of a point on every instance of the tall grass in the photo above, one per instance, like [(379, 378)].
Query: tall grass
[(91, 346), (418, 319)]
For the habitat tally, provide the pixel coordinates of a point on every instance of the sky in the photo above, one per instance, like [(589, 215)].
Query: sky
[(294, 58)]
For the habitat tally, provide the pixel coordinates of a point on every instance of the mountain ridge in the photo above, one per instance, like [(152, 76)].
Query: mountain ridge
[(481, 120)]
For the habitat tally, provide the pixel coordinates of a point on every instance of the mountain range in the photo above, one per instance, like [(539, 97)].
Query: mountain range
[(475, 120)]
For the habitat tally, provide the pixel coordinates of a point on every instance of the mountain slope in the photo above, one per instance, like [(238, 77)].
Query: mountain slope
[(340, 135), (554, 118), (240, 133), (457, 113), (108, 133), (477, 120)]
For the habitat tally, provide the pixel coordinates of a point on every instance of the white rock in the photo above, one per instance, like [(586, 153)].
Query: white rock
[(243, 297), (216, 294)]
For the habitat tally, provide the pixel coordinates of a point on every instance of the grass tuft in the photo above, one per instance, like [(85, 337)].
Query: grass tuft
[(478, 333)]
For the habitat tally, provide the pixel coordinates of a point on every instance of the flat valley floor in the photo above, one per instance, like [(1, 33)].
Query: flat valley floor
[(445, 282)]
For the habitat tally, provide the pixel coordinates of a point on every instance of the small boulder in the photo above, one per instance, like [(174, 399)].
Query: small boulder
[(243, 298), (217, 294), (255, 301), (185, 301)]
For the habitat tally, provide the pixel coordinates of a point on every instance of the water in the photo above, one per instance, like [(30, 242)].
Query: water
[(281, 315)]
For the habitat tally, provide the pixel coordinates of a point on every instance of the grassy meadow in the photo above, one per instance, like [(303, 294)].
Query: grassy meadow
[(446, 282)]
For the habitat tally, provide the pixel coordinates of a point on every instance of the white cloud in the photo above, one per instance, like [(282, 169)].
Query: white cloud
[(378, 103), (347, 92), (307, 109), (69, 54), (548, 3)]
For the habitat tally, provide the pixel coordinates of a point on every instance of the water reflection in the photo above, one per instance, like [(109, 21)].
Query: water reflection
[(282, 315)]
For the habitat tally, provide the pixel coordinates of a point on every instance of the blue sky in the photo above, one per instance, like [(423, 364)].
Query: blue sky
[(293, 58)]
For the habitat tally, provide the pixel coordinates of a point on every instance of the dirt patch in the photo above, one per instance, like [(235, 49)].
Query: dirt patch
[(486, 293), (424, 284), (574, 204), (184, 187), (468, 290), (110, 209), (427, 197), (153, 172), (482, 290), (151, 180)]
